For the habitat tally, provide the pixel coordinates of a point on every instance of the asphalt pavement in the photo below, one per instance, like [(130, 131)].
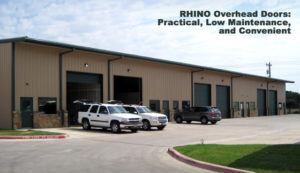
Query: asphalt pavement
[(146, 151)]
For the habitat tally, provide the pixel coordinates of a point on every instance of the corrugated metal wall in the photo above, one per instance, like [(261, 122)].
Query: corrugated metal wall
[(37, 73), (5, 91)]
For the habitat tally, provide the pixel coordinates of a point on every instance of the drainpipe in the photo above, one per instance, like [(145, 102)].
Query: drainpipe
[(192, 86), (231, 93), (61, 85), (108, 75), (12, 83)]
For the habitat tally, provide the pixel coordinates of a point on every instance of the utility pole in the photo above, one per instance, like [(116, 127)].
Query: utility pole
[(269, 69)]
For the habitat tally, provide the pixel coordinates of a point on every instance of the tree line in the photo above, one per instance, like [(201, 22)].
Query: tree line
[(292, 100)]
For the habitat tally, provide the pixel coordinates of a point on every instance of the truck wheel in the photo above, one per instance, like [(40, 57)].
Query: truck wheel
[(86, 124), (178, 119), (115, 127), (203, 120), (134, 130), (146, 125), (213, 122), (161, 127)]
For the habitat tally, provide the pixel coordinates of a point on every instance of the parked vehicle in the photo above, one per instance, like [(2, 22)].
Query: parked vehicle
[(149, 118), (203, 114), (108, 116)]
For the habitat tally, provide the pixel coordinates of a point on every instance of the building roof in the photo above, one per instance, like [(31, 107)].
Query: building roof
[(90, 49)]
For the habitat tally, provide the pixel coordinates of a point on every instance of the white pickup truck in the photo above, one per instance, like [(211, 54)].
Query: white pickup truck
[(108, 116), (149, 118)]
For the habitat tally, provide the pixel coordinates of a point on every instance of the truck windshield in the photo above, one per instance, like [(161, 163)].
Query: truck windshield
[(143, 110), (116, 109)]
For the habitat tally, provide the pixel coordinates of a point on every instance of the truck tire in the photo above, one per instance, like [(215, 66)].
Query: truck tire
[(161, 127), (86, 124), (134, 130), (178, 119), (204, 120), (115, 127), (146, 125)]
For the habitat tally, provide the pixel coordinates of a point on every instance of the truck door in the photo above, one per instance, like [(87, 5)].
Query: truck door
[(104, 117), (93, 115)]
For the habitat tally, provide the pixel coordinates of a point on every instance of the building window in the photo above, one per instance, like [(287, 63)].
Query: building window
[(47, 105), (252, 105), (154, 105), (185, 105)]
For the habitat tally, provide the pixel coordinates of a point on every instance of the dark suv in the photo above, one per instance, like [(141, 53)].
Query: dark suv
[(203, 114)]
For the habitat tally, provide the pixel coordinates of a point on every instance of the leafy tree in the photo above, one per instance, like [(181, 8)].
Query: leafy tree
[(292, 99)]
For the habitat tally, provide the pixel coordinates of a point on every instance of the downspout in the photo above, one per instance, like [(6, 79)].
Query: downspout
[(61, 85), (231, 93), (192, 86), (108, 75), (12, 83)]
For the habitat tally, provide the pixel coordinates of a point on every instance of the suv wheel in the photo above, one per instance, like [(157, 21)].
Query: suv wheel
[(86, 124), (161, 127), (146, 125), (203, 120), (178, 119), (115, 127), (134, 130)]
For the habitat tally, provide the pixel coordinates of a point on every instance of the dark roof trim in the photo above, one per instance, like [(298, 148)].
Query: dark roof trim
[(89, 49)]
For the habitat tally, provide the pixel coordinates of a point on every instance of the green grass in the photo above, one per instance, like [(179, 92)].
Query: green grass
[(25, 133), (257, 158)]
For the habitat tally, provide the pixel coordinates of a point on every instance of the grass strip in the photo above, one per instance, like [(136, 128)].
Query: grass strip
[(257, 158), (26, 133)]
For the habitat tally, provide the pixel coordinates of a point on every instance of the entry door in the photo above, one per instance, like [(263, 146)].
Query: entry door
[(166, 108), (248, 109), (175, 106), (27, 112), (242, 109)]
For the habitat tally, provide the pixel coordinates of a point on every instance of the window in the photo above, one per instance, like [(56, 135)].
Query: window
[(236, 106), (84, 108), (185, 105), (116, 109), (47, 105), (155, 105), (94, 109), (252, 105), (103, 110)]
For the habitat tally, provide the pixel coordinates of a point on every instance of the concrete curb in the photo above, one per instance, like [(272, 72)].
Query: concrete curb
[(35, 137), (204, 165)]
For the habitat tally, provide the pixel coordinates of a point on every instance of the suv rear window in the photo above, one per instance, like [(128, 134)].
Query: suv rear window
[(84, 108)]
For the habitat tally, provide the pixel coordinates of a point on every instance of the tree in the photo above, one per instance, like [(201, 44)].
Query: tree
[(292, 100)]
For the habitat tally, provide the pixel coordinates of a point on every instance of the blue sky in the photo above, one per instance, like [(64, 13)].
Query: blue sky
[(130, 26)]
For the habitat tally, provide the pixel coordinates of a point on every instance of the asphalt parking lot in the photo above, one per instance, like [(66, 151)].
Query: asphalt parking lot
[(146, 151)]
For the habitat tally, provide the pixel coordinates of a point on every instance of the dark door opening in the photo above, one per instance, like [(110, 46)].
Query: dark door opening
[(242, 109), (261, 102), (248, 109), (223, 100), (27, 112), (272, 102), (202, 94), (166, 108), (82, 86), (128, 89)]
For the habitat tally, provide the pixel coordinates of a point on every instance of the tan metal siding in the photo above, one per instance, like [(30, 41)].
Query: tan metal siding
[(160, 81), (5, 91), (74, 61), (37, 73)]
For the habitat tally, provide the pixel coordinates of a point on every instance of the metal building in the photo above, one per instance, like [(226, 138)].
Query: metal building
[(41, 79)]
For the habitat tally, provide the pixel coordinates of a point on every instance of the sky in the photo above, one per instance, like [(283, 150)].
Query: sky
[(130, 26)]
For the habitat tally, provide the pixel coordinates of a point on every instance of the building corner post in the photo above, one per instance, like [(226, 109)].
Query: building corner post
[(13, 107), (62, 112)]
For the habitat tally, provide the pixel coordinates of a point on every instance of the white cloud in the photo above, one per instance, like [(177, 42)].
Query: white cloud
[(131, 27)]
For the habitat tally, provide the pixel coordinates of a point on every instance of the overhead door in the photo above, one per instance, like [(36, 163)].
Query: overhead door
[(272, 102), (261, 102), (202, 94), (223, 100)]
